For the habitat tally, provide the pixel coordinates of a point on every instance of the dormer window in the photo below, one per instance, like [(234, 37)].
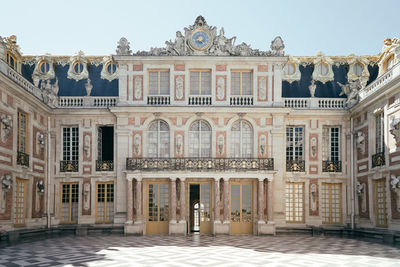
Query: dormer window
[(78, 67), (111, 68), (289, 69), (11, 61), (323, 69), (358, 69), (44, 67)]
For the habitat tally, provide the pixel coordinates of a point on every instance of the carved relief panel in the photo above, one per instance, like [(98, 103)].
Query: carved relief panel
[(362, 143), (179, 87), (137, 87), (38, 143), (38, 197), (363, 197), (220, 87), (221, 144), (86, 193), (6, 193), (137, 144), (313, 150), (6, 130), (262, 144), (87, 146), (314, 198), (179, 144), (262, 88)]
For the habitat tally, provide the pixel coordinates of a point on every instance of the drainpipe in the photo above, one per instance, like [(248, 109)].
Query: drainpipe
[(48, 173), (353, 203)]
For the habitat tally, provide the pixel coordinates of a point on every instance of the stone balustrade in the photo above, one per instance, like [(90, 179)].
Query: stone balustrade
[(200, 100), (86, 101), (315, 103)]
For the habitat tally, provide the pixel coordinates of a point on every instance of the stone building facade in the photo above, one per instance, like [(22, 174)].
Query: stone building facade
[(203, 135)]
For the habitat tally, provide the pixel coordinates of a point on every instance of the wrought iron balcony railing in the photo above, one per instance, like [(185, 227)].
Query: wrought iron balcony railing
[(331, 166), (22, 159), (295, 165), (199, 164), (104, 165), (69, 166), (378, 159)]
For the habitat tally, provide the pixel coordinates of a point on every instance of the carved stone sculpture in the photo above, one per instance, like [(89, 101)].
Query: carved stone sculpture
[(6, 123), (362, 195), (395, 129), (313, 191), (263, 144), (395, 183), (179, 141), (88, 87), (221, 142), (86, 146), (312, 88), (178, 47), (86, 196), (360, 142), (277, 46), (123, 47), (179, 87), (351, 91), (137, 144), (49, 92), (6, 183)]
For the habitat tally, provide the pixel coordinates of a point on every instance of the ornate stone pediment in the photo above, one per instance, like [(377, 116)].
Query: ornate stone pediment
[(202, 39)]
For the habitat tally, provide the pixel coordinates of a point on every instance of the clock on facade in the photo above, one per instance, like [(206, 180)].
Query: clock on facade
[(200, 39)]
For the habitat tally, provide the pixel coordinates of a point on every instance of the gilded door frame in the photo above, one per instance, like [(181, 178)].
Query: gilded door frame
[(25, 182), (206, 229), (156, 227), (241, 227)]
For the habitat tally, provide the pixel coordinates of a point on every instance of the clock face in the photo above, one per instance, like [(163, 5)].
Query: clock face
[(200, 39)]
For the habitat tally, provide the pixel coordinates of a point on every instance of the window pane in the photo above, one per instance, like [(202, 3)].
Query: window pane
[(153, 83), (246, 83), (164, 83), (194, 83), (235, 83)]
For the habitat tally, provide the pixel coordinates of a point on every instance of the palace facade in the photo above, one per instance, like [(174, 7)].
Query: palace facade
[(202, 135)]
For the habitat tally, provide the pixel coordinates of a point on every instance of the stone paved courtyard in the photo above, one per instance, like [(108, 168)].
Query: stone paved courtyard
[(197, 250)]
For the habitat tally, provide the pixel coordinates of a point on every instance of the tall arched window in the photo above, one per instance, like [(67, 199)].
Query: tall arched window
[(159, 139), (242, 140), (200, 139)]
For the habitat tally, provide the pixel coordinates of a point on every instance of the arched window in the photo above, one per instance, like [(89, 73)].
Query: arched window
[(200, 139), (159, 139), (242, 140)]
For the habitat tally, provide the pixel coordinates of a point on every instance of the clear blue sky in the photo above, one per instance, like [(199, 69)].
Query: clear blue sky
[(336, 27)]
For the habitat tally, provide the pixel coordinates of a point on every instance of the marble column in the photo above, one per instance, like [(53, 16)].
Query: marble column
[(226, 200), (269, 208), (138, 200), (216, 200), (261, 199), (130, 201), (173, 200), (183, 200)]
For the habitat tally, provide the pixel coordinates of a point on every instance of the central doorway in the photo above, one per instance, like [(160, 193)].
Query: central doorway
[(200, 209)]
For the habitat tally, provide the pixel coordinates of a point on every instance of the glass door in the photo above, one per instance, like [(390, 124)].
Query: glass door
[(157, 208), (241, 208)]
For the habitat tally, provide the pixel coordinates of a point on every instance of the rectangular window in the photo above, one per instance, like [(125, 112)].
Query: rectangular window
[(331, 143), (294, 143), (105, 202), (380, 203), (379, 137), (105, 148), (70, 143), (22, 137), (331, 203), (241, 83), (69, 202), (159, 82), (200, 82), (294, 202)]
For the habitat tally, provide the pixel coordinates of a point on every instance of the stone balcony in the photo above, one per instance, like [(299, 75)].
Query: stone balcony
[(200, 164), (314, 103)]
